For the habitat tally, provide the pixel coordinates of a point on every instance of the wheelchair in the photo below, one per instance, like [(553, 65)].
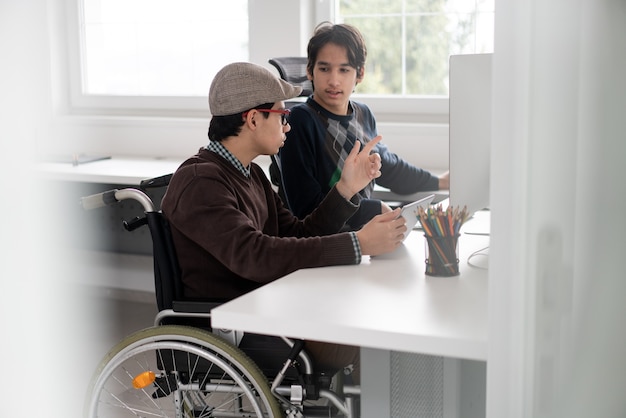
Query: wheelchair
[(183, 368)]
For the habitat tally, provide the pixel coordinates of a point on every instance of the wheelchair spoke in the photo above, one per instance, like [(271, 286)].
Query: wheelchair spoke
[(169, 377)]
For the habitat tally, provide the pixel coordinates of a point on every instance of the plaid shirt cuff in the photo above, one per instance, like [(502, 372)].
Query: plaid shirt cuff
[(357, 247)]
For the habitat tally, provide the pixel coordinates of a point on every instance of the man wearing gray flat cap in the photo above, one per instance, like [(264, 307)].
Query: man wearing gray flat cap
[(232, 232)]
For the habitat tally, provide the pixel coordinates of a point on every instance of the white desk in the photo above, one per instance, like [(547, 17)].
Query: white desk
[(123, 170), (126, 170), (386, 302), (116, 170), (386, 305)]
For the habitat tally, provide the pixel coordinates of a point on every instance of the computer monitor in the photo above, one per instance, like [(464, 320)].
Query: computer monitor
[(470, 130)]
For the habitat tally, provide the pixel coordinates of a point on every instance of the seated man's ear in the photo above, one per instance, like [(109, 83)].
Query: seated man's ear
[(250, 117)]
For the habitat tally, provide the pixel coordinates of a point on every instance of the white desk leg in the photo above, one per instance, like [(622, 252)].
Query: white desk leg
[(375, 383)]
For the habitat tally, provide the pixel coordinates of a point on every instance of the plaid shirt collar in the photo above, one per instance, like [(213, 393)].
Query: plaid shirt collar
[(220, 150)]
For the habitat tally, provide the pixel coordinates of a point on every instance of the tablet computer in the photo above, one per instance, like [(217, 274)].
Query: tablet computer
[(410, 214)]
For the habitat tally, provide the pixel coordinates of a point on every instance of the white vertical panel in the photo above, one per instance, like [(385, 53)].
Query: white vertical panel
[(37, 338), (556, 294), (375, 383), (507, 272), (596, 369)]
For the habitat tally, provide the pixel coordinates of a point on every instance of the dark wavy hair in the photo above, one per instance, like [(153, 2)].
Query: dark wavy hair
[(341, 34)]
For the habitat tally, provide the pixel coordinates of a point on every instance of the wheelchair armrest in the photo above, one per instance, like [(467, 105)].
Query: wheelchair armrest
[(186, 309), (194, 306)]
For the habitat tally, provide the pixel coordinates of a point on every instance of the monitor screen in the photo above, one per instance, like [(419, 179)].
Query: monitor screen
[(470, 130)]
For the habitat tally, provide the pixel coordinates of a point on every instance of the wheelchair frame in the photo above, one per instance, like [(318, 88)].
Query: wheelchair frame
[(183, 371)]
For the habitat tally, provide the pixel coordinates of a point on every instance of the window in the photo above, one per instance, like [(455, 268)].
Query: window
[(157, 57), (159, 47), (409, 41)]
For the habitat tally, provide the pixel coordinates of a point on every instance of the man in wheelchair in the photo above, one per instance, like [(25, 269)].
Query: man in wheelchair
[(232, 232)]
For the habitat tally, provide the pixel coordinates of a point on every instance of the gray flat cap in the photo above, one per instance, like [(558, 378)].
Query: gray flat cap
[(242, 86)]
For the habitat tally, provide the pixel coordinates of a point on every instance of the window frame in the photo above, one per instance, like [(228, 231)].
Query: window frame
[(80, 103), (409, 109)]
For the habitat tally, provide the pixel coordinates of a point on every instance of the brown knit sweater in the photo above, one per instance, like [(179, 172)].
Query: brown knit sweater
[(232, 234)]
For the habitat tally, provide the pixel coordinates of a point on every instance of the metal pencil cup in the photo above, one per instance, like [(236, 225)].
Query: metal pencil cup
[(442, 255)]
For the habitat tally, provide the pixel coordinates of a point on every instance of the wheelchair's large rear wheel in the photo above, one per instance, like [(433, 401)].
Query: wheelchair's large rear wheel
[(176, 371)]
